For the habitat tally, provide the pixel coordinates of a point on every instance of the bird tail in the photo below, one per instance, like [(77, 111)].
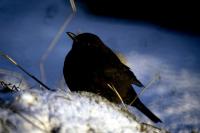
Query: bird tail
[(140, 106)]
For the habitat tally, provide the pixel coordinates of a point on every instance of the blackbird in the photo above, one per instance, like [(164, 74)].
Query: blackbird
[(93, 67)]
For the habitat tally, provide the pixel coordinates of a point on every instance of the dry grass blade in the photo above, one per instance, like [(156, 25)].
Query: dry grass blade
[(8, 58), (73, 5), (55, 40), (118, 95), (157, 77), (52, 45), (30, 121)]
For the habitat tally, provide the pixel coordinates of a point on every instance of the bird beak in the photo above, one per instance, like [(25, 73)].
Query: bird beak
[(71, 35)]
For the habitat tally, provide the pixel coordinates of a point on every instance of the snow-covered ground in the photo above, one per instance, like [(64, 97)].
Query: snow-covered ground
[(37, 111)]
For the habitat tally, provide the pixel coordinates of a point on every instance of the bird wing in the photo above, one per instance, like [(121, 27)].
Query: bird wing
[(132, 76), (115, 70)]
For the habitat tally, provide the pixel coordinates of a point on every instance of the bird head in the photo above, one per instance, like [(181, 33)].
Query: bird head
[(85, 40)]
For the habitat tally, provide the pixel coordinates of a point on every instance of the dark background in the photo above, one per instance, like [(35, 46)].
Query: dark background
[(175, 15), (156, 38)]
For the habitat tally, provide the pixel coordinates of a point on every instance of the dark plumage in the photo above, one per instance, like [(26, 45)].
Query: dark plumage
[(90, 66)]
